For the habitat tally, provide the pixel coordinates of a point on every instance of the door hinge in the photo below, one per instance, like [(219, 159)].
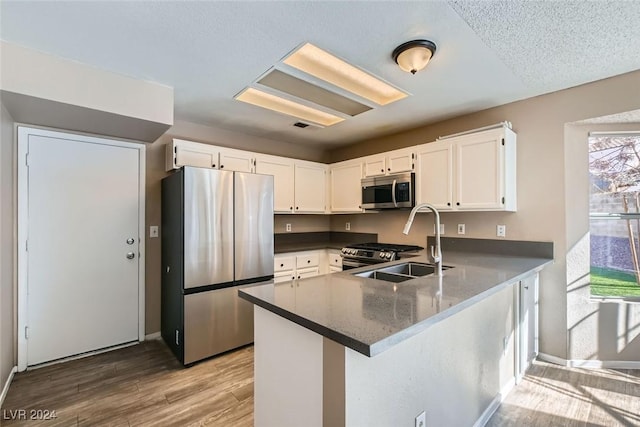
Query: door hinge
[(26, 160), (26, 246), (502, 141), (413, 156), (177, 337), (26, 332), (503, 200)]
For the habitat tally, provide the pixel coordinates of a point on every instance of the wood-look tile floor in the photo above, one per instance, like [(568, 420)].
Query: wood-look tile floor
[(552, 395), (144, 385), (141, 385)]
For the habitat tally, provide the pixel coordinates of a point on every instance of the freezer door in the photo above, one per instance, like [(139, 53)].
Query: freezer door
[(208, 227), (214, 322), (254, 226)]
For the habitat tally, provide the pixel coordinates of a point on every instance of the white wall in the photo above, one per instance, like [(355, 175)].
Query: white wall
[(7, 347)]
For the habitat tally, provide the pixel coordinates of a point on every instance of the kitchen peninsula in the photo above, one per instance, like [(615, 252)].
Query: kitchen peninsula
[(345, 350)]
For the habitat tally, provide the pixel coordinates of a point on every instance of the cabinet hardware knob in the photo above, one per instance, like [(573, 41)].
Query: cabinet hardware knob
[(281, 265), (526, 287), (213, 165), (458, 203), (290, 208), (221, 166), (297, 208), (448, 203), (308, 261), (381, 170), (389, 169)]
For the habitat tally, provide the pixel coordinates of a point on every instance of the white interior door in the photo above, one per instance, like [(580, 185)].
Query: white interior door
[(82, 248)]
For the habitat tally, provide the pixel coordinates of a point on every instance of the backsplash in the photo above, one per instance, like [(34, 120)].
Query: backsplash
[(301, 223)]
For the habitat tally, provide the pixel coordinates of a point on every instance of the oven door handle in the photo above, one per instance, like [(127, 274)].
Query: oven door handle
[(393, 193), (351, 264)]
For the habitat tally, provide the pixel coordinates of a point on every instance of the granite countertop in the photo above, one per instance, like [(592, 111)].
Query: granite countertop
[(370, 316)]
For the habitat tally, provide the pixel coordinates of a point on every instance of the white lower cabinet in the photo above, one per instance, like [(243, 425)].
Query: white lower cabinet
[(300, 265), (296, 265), (335, 260)]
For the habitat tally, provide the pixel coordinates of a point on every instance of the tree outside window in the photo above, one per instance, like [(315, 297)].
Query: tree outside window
[(614, 171)]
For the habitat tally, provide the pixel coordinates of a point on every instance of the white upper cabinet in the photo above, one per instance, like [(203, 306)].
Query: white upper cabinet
[(391, 162), (473, 172), (299, 186), (375, 165), (398, 161), (310, 187), (434, 175), (186, 153), (346, 191), (282, 169), (236, 160)]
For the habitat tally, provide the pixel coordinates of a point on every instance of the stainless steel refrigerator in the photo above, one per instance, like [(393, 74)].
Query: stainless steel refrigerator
[(217, 236)]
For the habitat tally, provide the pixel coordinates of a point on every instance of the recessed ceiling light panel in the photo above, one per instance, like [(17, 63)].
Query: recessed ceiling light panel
[(325, 66), (286, 106)]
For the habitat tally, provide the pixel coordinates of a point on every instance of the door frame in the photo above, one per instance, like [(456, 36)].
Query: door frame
[(23, 133)]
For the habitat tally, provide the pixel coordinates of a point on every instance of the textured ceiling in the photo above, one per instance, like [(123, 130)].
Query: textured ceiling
[(489, 53)]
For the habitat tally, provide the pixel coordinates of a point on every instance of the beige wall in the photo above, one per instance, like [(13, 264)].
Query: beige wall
[(301, 223), (156, 171), (7, 341), (542, 183)]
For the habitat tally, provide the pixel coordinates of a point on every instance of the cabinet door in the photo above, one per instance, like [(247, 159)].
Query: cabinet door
[(480, 171), (236, 160), (434, 175), (374, 165), (194, 154), (346, 190), (282, 170), (400, 161), (334, 269), (310, 187)]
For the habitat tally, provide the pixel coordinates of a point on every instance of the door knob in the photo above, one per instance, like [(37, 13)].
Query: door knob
[(130, 255)]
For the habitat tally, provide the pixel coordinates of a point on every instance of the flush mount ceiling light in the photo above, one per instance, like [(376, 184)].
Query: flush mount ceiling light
[(286, 106), (325, 66), (413, 56)]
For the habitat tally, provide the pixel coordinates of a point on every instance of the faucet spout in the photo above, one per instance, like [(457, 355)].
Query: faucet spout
[(436, 253)]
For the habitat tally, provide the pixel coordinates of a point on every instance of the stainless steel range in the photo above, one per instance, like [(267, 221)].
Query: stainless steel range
[(363, 254)]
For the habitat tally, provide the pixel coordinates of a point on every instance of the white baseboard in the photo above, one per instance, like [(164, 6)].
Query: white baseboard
[(553, 359), (5, 389), (153, 336), (495, 404), (593, 364)]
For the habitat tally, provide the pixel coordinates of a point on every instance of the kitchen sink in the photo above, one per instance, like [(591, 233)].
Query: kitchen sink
[(400, 272)]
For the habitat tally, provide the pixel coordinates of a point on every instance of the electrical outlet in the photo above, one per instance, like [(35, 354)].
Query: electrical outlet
[(441, 229), (501, 231), (347, 226), (461, 228), (153, 231), (288, 227), (421, 420)]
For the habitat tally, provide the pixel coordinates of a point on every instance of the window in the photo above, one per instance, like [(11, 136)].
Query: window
[(614, 172)]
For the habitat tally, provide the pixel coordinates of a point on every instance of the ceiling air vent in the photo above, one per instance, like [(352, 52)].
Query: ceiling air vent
[(300, 125)]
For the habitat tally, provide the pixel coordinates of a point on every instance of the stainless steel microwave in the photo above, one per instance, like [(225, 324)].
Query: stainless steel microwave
[(389, 192)]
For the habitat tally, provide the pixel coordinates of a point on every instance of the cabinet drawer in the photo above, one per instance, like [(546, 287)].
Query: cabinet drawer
[(283, 276), (334, 269), (303, 273), (307, 260), (335, 259), (284, 263)]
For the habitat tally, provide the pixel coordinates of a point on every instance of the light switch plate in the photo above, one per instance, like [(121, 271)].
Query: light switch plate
[(153, 231), (347, 226)]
